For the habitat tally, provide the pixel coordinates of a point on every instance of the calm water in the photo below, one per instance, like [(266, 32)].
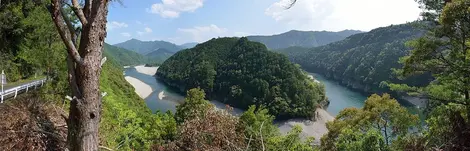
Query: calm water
[(340, 97), (152, 101)]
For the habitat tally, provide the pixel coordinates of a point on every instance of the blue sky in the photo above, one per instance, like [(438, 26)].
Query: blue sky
[(182, 21)]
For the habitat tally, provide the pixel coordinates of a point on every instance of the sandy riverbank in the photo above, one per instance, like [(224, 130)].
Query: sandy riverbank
[(146, 70), (310, 128), (142, 89)]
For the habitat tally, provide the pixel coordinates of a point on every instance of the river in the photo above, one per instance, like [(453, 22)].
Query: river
[(163, 99), (340, 97)]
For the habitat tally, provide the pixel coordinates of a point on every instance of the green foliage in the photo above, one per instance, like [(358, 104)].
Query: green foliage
[(21, 33), (194, 106), (207, 128), (126, 122), (374, 127), (257, 125), (444, 52), (243, 73), (302, 38), (290, 141), (361, 61)]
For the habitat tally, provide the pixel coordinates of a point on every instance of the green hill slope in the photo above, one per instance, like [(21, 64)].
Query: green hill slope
[(123, 56), (243, 73), (361, 61)]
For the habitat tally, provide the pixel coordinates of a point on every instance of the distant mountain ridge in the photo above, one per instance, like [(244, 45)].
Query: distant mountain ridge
[(145, 47), (302, 38), (159, 51)]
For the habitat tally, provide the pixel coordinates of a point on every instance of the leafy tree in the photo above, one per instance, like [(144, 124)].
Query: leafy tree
[(374, 127), (193, 107), (444, 52), (257, 126)]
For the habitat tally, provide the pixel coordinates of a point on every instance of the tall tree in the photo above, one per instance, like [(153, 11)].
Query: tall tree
[(444, 52), (84, 66)]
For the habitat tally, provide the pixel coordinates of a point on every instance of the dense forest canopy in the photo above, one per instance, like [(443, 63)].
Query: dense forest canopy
[(364, 60), (302, 38), (243, 73)]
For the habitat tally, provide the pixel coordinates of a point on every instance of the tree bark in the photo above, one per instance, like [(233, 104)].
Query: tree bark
[(84, 72)]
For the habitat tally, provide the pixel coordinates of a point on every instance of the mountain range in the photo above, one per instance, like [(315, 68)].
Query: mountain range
[(302, 38)]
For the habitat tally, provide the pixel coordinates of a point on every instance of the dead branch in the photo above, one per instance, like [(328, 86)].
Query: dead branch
[(79, 12)]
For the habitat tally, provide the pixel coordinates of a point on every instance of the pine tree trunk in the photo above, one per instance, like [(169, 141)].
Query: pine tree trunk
[(84, 68), (85, 112)]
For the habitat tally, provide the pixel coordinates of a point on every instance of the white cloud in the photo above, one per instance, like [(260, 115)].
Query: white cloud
[(146, 31), (173, 8), (343, 14), (204, 33), (126, 34), (149, 30), (115, 25)]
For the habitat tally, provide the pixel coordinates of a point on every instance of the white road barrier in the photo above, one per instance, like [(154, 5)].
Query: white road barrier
[(13, 92)]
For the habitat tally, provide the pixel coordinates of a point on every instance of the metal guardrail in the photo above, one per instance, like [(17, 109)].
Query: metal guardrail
[(13, 92)]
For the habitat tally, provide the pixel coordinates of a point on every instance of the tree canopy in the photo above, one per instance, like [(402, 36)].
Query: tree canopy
[(243, 73)]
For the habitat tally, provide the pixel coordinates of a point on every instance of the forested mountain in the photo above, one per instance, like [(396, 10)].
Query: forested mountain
[(361, 61), (188, 45), (243, 73), (123, 56), (302, 38), (145, 47)]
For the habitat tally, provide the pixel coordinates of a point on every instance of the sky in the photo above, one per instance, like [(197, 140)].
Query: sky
[(183, 21)]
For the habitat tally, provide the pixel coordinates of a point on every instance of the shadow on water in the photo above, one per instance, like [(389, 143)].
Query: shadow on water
[(342, 97)]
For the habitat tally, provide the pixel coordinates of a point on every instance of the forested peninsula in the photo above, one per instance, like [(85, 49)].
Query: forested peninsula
[(241, 73)]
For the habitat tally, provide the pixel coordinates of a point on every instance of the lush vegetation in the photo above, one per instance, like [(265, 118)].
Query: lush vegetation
[(127, 123), (364, 60), (202, 127), (302, 38), (123, 56), (30, 44), (264, 82), (380, 125), (444, 52), (243, 73)]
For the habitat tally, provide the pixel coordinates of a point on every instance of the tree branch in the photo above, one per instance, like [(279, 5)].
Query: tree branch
[(261, 134), (59, 22), (79, 12)]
